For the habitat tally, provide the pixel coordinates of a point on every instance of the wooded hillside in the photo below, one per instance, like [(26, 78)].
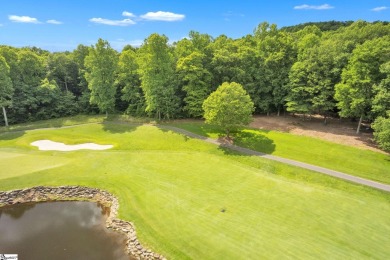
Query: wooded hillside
[(326, 68)]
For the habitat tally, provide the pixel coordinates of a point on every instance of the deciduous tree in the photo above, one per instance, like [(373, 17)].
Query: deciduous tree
[(228, 107), (128, 80), (356, 91), (158, 79), (6, 88), (382, 132), (101, 64), (196, 82)]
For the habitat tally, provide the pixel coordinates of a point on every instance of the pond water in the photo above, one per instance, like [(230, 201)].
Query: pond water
[(59, 230)]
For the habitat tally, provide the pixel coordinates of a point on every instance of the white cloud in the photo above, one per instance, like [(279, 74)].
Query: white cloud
[(128, 14), (313, 7), (378, 9), (22, 19), (228, 15), (150, 16), (124, 22), (54, 22), (162, 16)]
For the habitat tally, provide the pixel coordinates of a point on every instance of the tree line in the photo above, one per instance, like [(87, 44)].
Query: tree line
[(330, 69)]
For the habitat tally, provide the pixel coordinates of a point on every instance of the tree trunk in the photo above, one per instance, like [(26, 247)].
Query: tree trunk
[(325, 120), (360, 122), (106, 113), (5, 117), (278, 111), (66, 85)]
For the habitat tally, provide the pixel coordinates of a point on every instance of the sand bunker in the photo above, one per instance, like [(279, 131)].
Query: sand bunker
[(47, 145)]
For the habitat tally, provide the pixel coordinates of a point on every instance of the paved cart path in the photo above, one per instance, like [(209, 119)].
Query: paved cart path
[(344, 176), (326, 171)]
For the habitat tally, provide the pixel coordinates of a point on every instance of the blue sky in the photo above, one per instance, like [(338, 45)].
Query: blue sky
[(61, 25)]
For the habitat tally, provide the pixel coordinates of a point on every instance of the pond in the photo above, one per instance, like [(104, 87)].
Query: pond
[(59, 230)]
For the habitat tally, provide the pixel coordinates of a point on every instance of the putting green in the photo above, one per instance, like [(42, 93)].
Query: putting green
[(192, 200)]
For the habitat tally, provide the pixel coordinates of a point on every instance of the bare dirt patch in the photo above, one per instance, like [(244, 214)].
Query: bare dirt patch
[(341, 131)]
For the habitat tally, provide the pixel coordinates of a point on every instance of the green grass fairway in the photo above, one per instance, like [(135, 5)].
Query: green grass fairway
[(354, 161), (192, 200)]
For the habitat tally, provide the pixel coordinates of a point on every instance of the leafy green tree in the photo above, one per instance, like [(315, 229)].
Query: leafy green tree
[(301, 92), (10, 55), (128, 80), (101, 64), (313, 77), (250, 72), (64, 70), (84, 93), (53, 102), (278, 53), (27, 76), (382, 132), (239, 61), (224, 61), (183, 48), (301, 87), (159, 84), (228, 107), (381, 102), (200, 41), (359, 32), (47, 96), (355, 93), (6, 87), (78, 56), (31, 68), (196, 80), (323, 26)]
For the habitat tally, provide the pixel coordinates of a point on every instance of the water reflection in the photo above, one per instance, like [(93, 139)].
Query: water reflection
[(17, 212), (59, 230)]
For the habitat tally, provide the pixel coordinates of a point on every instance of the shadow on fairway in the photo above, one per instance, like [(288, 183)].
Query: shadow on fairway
[(117, 127), (11, 135), (242, 142), (254, 141)]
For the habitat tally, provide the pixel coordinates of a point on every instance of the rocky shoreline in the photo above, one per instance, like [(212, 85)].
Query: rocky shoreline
[(62, 193)]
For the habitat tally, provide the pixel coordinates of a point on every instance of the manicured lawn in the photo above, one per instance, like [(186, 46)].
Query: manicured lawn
[(192, 200), (355, 161)]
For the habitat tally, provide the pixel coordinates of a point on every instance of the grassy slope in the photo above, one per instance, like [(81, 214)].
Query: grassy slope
[(173, 189), (359, 162)]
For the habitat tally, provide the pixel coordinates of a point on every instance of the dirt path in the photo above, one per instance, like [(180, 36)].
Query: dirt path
[(341, 131), (322, 170)]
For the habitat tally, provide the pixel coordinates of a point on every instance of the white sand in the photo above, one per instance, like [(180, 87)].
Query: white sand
[(47, 145)]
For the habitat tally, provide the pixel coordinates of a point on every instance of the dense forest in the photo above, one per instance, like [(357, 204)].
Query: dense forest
[(335, 68)]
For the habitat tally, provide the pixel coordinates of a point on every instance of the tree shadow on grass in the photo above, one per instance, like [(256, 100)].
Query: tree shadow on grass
[(118, 127), (242, 143), (254, 141), (209, 130), (11, 135)]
